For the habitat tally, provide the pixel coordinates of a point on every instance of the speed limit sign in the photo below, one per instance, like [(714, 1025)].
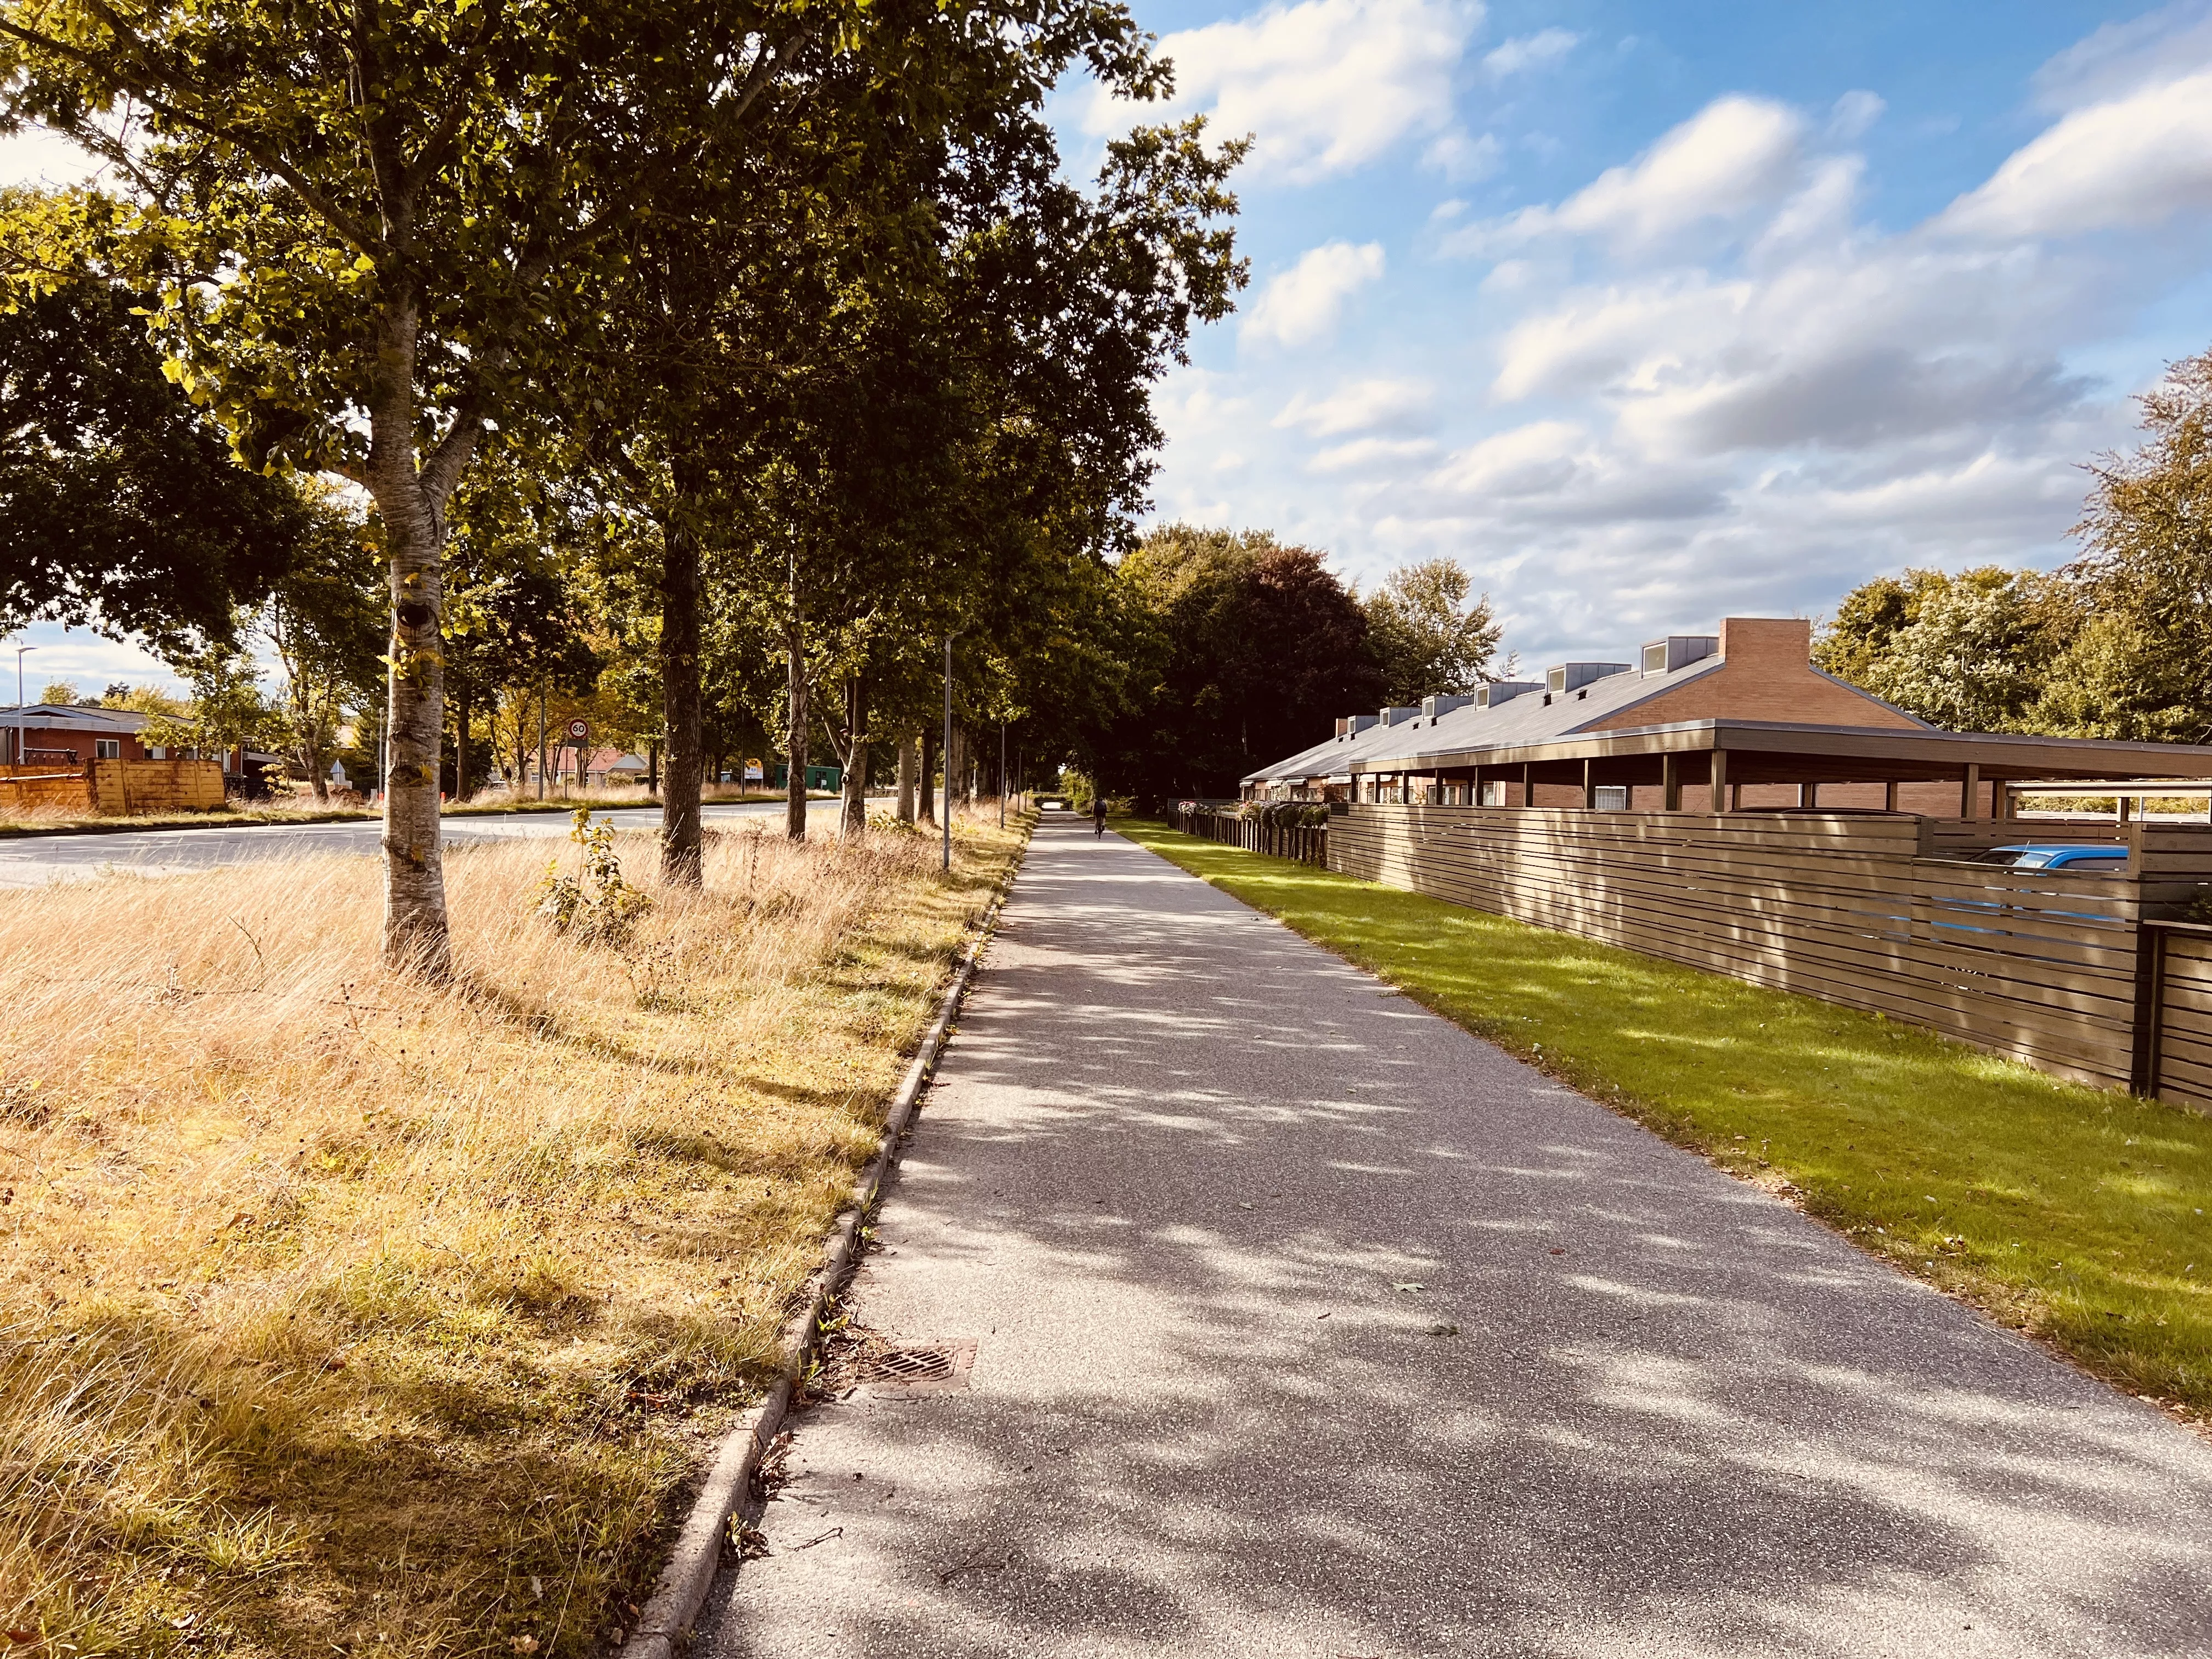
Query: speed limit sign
[(580, 729)]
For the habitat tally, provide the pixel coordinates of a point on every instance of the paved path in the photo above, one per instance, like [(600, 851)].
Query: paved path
[(1201, 1193), (34, 861)]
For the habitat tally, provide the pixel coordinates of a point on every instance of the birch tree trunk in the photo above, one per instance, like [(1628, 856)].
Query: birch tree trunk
[(414, 929), (682, 853)]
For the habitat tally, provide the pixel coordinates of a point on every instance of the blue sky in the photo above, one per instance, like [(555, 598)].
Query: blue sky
[(1651, 314)]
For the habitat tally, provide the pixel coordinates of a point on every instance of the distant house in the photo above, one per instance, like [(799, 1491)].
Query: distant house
[(608, 766), (1709, 722), (69, 735)]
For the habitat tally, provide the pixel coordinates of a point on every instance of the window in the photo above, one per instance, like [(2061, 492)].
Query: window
[(1655, 658), (107, 749), (1611, 798), (1493, 794)]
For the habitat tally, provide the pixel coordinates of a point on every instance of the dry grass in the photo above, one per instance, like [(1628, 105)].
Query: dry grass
[(340, 1311)]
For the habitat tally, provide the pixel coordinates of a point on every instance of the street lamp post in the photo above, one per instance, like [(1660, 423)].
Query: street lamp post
[(947, 826)]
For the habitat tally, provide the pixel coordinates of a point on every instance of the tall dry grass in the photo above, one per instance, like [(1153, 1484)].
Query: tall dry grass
[(338, 1309)]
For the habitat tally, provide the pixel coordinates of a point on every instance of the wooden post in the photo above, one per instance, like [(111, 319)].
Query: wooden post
[(1970, 793), (1589, 784), (1474, 788), (1528, 784), (1889, 796), (2150, 974), (1720, 783), (2125, 814), (1670, 782)]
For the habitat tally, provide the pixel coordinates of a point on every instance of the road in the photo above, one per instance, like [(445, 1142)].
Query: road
[(1309, 1326), (35, 860)]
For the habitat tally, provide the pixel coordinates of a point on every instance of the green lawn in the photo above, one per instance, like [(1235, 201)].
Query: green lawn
[(2070, 1211)]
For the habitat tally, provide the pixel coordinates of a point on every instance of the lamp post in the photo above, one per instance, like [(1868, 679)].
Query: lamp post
[(946, 826), (23, 720)]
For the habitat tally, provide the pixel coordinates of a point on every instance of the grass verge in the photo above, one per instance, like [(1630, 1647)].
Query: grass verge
[(340, 1311), (2074, 1214)]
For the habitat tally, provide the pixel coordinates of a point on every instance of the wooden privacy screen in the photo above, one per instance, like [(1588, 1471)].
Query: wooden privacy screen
[(156, 786), (1879, 913)]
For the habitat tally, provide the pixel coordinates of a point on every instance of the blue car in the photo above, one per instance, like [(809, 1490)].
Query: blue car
[(2093, 860)]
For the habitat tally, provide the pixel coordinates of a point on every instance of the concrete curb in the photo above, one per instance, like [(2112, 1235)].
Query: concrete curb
[(682, 1588)]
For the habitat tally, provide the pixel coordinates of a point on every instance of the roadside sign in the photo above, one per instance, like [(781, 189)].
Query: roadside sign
[(580, 729), (755, 771)]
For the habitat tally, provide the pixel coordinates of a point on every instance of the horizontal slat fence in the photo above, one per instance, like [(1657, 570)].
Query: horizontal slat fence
[(2178, 989), (1865, 911), (1307, 843)]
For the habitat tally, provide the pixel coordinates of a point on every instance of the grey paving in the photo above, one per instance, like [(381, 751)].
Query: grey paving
[(35, 860), (1202, 1195)]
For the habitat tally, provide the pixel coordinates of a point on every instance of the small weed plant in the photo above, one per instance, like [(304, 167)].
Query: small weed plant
[(599, 907)]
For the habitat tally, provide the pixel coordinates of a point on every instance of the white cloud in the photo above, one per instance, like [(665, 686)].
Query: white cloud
[(1735, 155), (1303, 304), (1360, 406), (1325, 85), (2130, 160), (1373, 455), (2126, 57), (1705, 383), (1528, 51), (1463, 159), (1854, 115)]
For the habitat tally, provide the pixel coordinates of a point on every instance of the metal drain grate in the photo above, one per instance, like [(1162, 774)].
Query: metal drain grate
[(920, 1368)]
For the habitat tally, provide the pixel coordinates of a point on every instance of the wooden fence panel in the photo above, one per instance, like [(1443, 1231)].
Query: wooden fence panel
[(2180, 989), (1866, 912), (35, 788)]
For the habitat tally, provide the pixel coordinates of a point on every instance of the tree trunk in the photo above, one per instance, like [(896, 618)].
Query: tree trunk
[(853, 821), (414, 933), (906, 770), (926, 783), (794, 778), (682, 848), (958, 785)]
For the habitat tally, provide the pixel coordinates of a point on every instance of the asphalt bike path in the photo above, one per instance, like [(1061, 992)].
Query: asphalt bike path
[(35, 860), (1305, 1324)]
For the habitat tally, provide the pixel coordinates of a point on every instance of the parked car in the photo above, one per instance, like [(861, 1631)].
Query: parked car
[(2083, 859)]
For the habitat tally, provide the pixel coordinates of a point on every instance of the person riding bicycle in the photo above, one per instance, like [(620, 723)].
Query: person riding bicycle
[(1098, 815)]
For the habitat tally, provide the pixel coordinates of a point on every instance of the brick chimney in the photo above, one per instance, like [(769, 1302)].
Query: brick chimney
[(1782, 644)]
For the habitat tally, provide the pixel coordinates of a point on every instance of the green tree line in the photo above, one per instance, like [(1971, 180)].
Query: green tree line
[(2116, 644)]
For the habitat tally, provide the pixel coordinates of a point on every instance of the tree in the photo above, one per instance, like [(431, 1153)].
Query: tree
[(358, 223), (1972, 652), (225, 707), (323, 623), (58, 692), (2142, 669), (1428, 636), (120, 507), (1243, 649)]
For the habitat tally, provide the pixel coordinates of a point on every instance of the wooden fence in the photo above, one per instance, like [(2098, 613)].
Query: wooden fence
[(1307, 843), (34, 788), (115, 789), (2174, 1012), (1873, 912), (156, 786)]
